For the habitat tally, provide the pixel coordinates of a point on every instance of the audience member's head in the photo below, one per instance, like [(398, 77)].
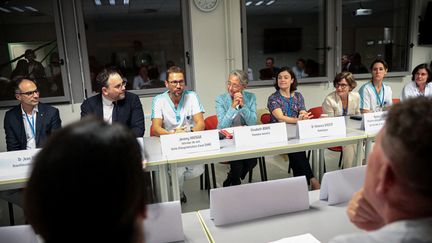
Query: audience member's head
[(269, 62), (30, 55), (420, 70), (398, 181), (301, 63), (88, 185), (27, 93), (111, 84)]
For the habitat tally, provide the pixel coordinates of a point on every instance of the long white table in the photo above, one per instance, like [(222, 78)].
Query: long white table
[(230, 152), (322, 221)]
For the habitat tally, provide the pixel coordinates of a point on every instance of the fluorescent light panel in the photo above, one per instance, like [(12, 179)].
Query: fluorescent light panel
[(125, 2), (98, 2), (270, 2), (259, 3), (5, 10), (31, 8), (112, 2), (248, 3), (17, 9)]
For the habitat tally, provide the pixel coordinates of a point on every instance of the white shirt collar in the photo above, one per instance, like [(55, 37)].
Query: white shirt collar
[(34, 111), (106, 101)]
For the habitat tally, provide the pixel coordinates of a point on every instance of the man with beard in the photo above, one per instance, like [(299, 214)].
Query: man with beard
[(114, 104), (178, 110)]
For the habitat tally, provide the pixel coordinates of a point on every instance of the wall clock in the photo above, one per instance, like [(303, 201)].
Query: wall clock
[(206, 5)]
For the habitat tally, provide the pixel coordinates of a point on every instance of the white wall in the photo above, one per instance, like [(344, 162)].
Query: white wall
[(211, 65)]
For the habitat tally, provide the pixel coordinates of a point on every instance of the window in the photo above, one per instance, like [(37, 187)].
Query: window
[(285, 33), (140, 38), (321, 37), (375, 29), (29, 48)]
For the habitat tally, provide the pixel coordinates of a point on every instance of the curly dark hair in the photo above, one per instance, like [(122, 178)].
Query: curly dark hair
[(406, 142)]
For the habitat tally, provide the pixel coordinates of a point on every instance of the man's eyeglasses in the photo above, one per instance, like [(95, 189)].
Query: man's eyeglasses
[(29, 93), (176, 82), (119, 86), (343, 86)]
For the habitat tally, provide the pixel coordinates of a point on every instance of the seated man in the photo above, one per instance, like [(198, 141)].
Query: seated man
[(114, 103), (28, 125), (395, 202), (178, 110)]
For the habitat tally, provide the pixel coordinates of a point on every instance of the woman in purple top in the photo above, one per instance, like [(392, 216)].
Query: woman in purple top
[(286, 105)]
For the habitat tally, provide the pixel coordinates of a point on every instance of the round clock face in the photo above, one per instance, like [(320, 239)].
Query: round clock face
[(206, 5)]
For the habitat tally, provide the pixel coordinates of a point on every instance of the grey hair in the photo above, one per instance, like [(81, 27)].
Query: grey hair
[(241, 75)]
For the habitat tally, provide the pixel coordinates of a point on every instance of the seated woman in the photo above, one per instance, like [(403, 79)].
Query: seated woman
[(375, 95), (343, 102), (421, 83), (237, 107), (88, 185), (286, 105)]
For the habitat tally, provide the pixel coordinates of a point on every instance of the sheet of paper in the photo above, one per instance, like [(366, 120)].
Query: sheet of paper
[(251, 201), (339, 186), (164, 222), (305, 238)]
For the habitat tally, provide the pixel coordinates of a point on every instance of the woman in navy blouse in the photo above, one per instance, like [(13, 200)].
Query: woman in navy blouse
[(287, 105)]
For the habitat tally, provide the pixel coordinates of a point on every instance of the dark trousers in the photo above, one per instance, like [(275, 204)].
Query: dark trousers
[(300, 165), (239, 169)]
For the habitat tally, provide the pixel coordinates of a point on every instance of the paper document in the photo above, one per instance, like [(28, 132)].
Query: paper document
[(306, 238)]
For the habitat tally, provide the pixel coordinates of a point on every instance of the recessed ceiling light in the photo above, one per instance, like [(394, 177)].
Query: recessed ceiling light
[(98, 2), (259, 3), (17, 9), (248, 3), (270, 2), (31, 8), (112, 2), (5, 10)]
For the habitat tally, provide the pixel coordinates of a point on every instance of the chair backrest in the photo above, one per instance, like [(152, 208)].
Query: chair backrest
[(265, 118), (211, 122), (151, 130), (316, 112), (395, 100)]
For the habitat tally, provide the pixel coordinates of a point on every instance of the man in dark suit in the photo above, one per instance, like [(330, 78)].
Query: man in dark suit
[(28, 124), (114, 104)]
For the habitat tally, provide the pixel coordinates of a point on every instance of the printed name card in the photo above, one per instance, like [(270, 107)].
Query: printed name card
[(324, 127), (190, 142), (373, 122), (260, 134), (16, 163)]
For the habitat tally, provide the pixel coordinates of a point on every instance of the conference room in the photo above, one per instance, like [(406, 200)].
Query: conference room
[(74, 41)]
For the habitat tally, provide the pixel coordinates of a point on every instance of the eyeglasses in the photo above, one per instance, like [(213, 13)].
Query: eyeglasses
[(119, 86), (29, 93), (343, 86), (234, 86), (177, 82)]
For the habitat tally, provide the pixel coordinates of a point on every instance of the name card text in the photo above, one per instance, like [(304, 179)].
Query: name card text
[(191, 142), (373, 122), (260, 134), (324, 127)]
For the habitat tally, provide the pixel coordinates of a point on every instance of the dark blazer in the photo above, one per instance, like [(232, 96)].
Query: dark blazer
[(128, 111), (47, 120)]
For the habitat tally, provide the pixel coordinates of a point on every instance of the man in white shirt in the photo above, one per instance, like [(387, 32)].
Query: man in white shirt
[(395, 201), (178, 110)]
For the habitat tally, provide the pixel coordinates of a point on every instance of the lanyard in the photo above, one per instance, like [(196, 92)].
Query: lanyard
[(379, 101), (179, 106), (288, 104), (31, 124)]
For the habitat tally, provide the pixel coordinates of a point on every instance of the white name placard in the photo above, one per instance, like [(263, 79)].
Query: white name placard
[(16, 163), (190, 142), (260, 134), (324, 127), (373, 122)]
